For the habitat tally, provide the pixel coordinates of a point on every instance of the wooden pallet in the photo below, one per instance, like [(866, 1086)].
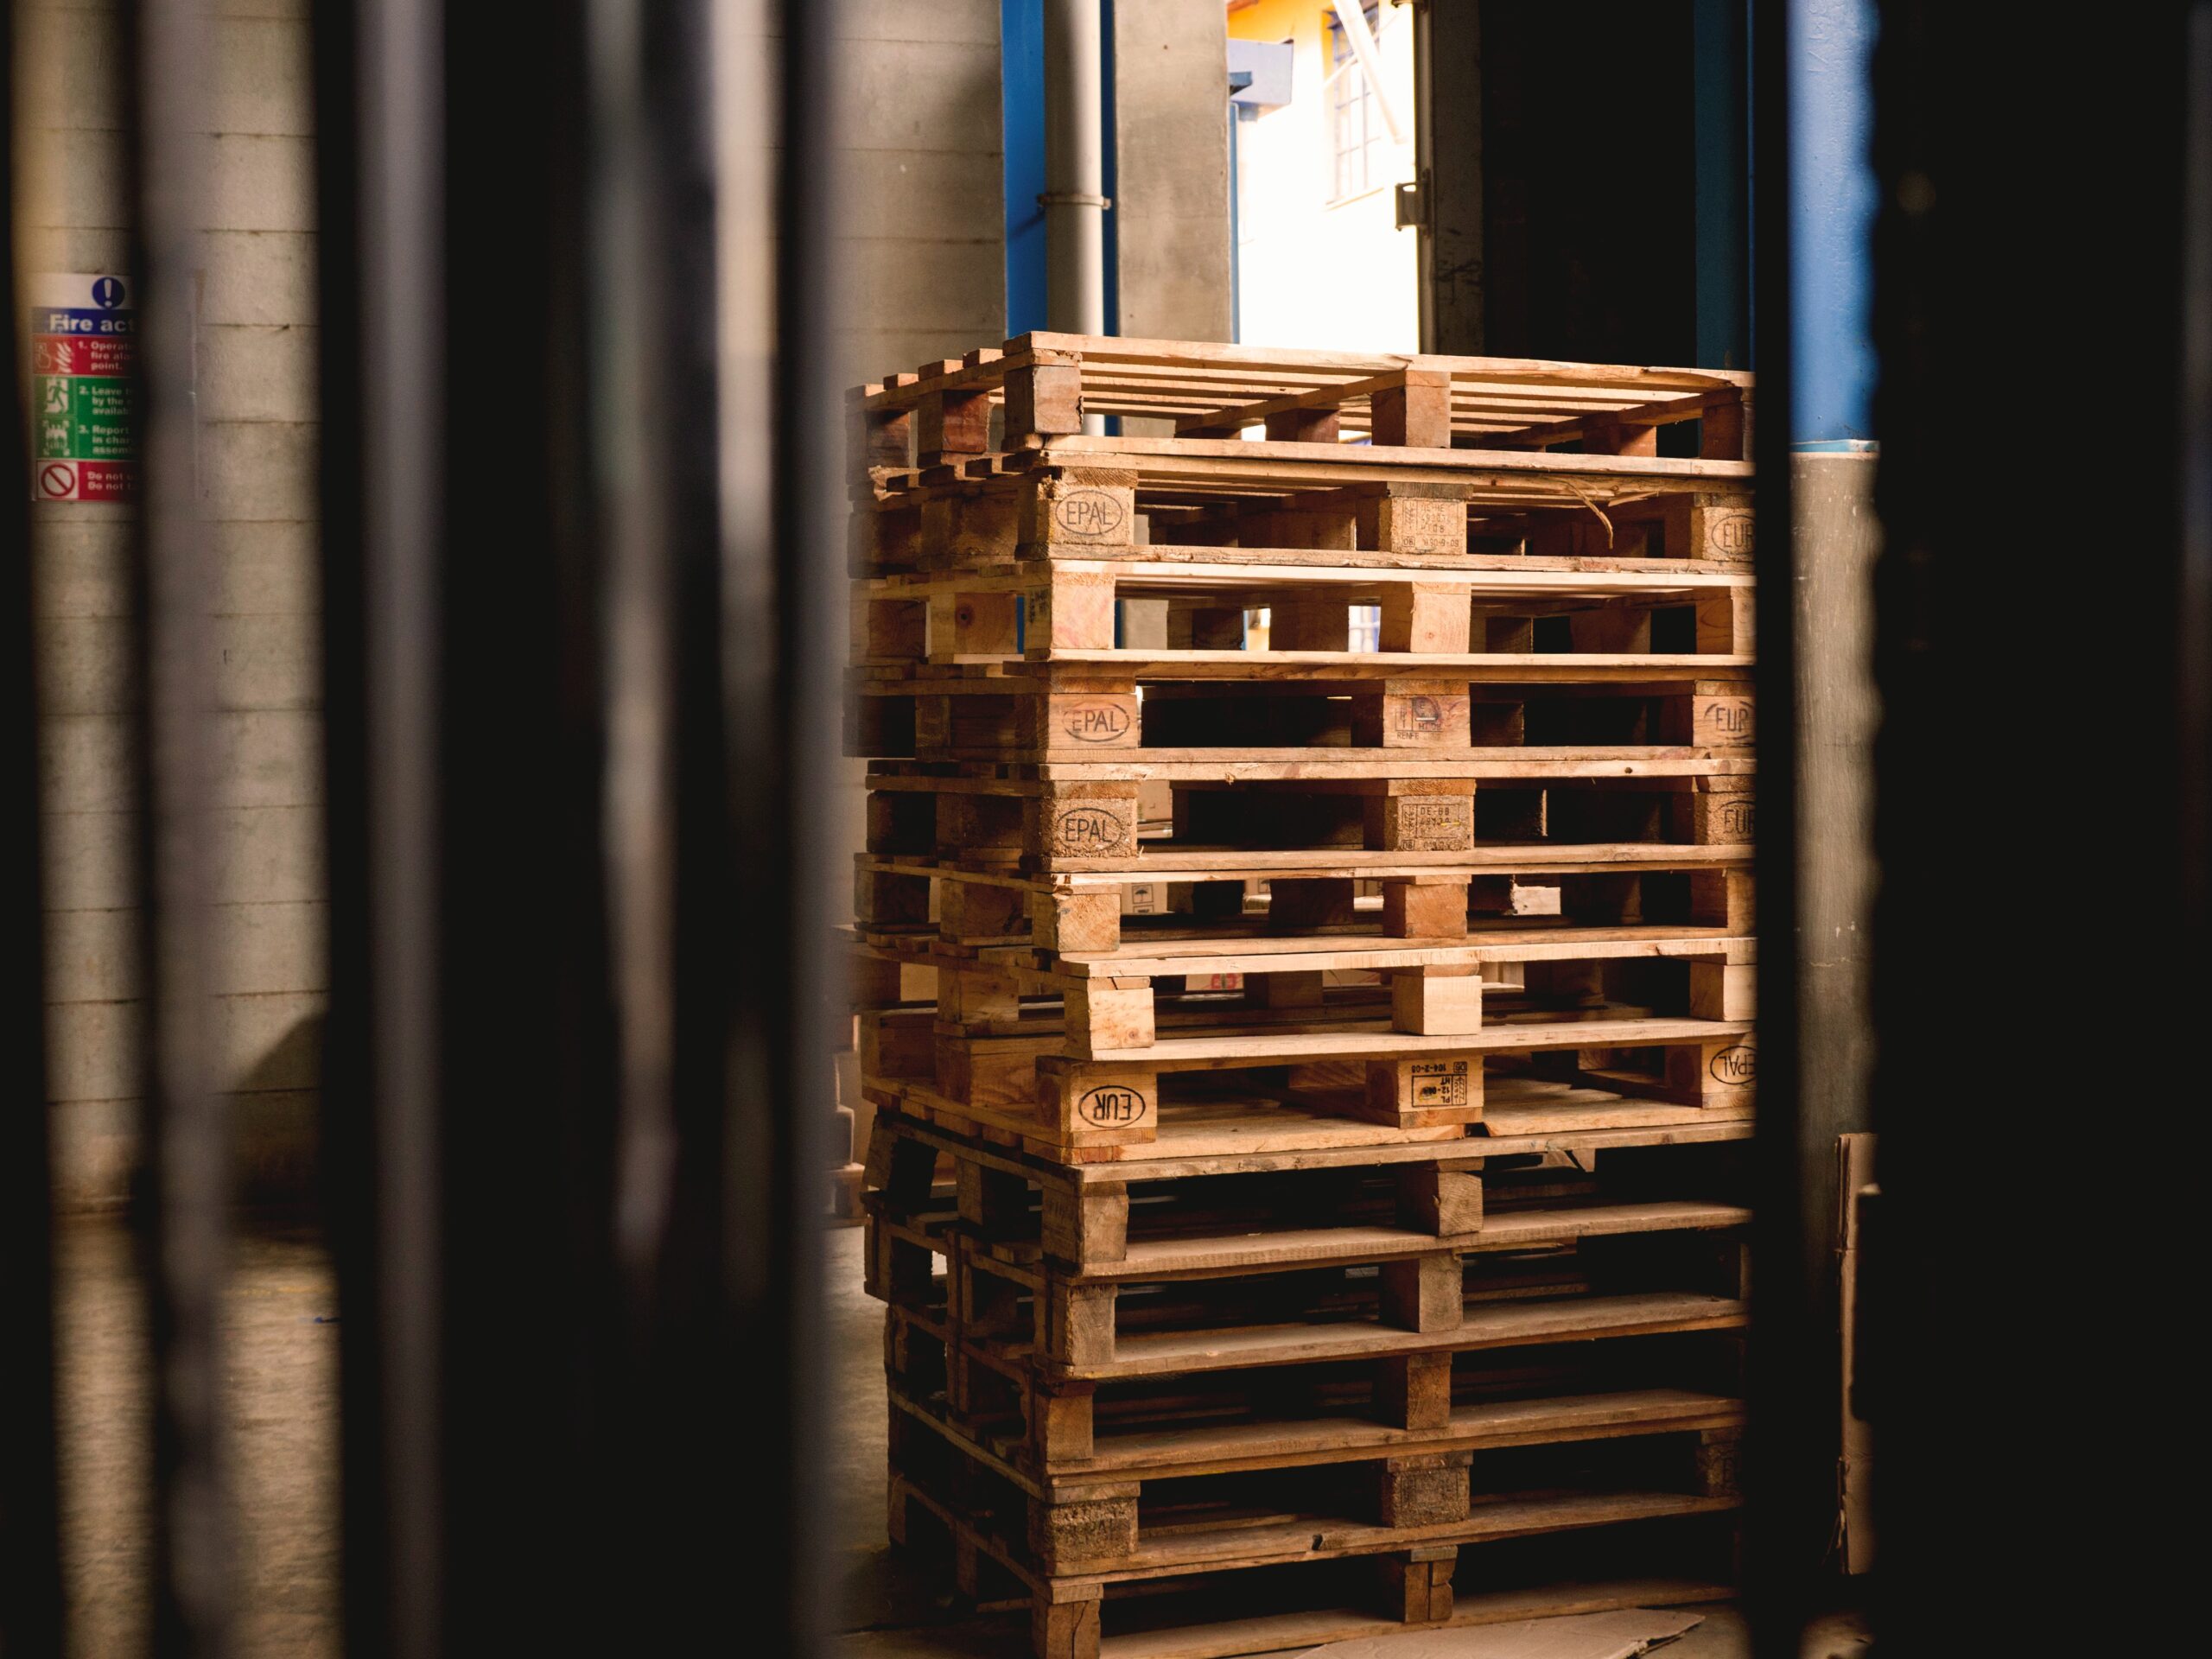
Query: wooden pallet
[(1551, 1551), (1375, 1488), (1535, 1279), (1337, 806), (1175, 978), (1097, 1071), (1465, 1254), (944, 913), (1090, 519), (1163, 1218), (1042, 385), (1062, 1433), (1282, 986), (1036, 714)]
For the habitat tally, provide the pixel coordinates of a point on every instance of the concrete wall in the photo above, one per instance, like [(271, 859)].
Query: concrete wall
[(924, 226), (922, 219), (256, 387)]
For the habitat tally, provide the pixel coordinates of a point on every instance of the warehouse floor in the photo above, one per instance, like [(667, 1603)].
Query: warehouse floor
[(284, 1370)]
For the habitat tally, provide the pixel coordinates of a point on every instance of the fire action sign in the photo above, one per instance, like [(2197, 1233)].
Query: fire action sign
[(83, 341)]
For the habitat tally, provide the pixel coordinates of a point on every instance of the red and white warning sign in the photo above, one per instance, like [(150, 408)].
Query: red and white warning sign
[(84, 481)]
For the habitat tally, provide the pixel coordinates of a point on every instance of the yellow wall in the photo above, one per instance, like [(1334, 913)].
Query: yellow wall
[(1312, 272)]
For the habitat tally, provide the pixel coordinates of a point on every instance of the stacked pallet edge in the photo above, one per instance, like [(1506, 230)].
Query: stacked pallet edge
[(1304, 970)]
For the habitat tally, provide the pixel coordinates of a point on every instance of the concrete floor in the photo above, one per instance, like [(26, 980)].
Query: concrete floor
[(284, 1353)]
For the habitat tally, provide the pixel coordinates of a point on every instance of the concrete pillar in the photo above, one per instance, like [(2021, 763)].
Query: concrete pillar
[(1171, 161)]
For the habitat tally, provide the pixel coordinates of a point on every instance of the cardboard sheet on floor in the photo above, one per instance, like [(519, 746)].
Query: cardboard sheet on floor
[(1579, 1635)]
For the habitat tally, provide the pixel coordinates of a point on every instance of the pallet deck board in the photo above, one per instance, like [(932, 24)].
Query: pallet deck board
[(1215, 1447), (1320, 1538), (1230, 1053), (1492, 1326), (1165, 1258)]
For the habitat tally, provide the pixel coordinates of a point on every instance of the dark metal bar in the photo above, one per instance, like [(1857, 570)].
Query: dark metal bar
[(30, 1560), (809, 515), (2193, 608), (2041, 1194), (184, 1141), (379, 88), (1789, 1474), (583, 1011)]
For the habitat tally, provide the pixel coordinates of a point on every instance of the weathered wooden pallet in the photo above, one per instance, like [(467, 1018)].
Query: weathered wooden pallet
[(1394, 514), (1518, 1559), (1465, 1258), (1124, 996), (1090, 817), (1045, 383), (1049, 713), (1091, 1070), (1167, 1219), (1075, 613), (1224, 1579), (1216, 910), (1649, 1072), (1063, 1432), (1447, 1485), (1529, 1278)]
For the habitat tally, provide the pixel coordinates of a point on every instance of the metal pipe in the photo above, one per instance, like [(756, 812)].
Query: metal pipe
[(1073, 201)]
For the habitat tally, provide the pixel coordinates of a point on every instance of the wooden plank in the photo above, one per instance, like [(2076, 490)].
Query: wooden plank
[(1252, 956), (1511, 668), (1539, 475), (1506, 1325), (1210, 1447), (1306, 765), (1148, 1260), (1512, 1229), (1497, 580), (1279, 1048), (1308, 1539)]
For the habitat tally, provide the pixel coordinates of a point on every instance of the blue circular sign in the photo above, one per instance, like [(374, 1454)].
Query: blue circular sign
[(107, 291)]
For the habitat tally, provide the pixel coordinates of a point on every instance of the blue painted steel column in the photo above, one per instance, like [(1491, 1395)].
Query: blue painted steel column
[(1021, 105), (1831, 197)]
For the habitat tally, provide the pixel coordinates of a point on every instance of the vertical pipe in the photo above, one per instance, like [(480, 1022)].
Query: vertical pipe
[(183, 1134), (1074, 203), (30, 1561)]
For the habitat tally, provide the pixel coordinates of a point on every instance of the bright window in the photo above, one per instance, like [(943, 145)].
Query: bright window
[(1357, 133)]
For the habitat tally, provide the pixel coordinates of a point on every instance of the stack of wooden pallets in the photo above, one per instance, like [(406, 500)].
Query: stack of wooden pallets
[(1313, 1202)]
